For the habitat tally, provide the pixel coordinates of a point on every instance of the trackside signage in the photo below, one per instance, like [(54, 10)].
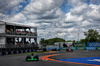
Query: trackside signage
[(93, 44), (80, 48), (90, 48), (79, 45), (98, 48), (64, 48), (74, 48)]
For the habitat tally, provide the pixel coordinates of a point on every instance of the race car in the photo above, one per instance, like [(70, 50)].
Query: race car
[(55, 49), (69, 50), (32, 57)]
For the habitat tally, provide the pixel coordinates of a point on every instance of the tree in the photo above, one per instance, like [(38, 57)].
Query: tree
[(42, 41), (91, 35), (69, 41), (98, 39), (83, 40), (51, 41)]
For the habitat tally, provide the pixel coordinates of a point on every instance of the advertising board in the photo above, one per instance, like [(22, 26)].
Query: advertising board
[(90, 48), (80, 48), (74, 48), (79, 45), (93, 44)]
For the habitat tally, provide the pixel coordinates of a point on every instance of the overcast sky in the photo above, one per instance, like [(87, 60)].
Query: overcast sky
[(54, 18)]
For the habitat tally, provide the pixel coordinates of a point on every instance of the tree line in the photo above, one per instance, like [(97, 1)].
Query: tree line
[(51, 41), (90, 36)]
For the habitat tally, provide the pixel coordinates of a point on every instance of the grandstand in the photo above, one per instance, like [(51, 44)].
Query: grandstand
[(17, 38)]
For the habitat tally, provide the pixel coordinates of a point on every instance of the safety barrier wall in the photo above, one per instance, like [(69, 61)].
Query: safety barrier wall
[(17, 49), (90, 48), (93, 44), (82, 48), (6, 51), (50, 48)]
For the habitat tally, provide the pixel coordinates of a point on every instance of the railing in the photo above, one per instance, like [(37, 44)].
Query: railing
[(19, 46), (22, 33)]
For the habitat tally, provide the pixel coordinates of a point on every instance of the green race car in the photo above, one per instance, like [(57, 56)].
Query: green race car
[(32, 57)]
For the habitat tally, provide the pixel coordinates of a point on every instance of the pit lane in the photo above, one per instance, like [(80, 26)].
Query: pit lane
[(19, 60)]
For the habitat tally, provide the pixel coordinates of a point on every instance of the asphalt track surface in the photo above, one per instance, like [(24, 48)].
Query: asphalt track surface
[(19, 60)]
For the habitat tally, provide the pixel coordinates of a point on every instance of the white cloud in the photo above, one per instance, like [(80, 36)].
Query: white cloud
[(85, 23), (50, 20), (18, 18), (6, 5), (82, 17), (73, 18), (42, 6), (78, 10), (94, 12)]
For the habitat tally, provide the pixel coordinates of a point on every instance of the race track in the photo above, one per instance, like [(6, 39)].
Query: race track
[(19, 60)]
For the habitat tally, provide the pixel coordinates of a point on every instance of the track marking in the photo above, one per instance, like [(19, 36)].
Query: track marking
[(51, 52), (46, 58), (98, 60)]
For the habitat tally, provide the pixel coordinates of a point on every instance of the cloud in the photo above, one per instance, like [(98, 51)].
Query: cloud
[(20, 17), (42, 6), (6, 5), (50, 19), (80, 9), (82, 16), (73, 18), (94, 12), (83, 13), (85, 23)]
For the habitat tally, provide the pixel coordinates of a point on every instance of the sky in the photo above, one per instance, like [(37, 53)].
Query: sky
[(66, 19)]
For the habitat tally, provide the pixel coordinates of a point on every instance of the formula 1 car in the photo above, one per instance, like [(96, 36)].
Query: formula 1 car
[(55, 49), (32, 57), (69, 50)]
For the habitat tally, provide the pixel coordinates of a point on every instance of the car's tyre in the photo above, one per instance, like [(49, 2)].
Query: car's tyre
[(67, 49), (58, 49), (37, 57), (71, 49), (28, 57)]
